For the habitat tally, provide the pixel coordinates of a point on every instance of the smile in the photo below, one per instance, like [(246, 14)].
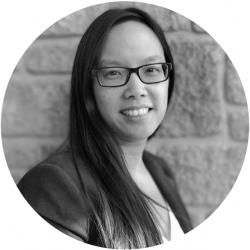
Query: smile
[(135, 112)]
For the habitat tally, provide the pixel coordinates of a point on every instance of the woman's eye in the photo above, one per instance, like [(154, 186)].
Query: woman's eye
[(152, 70), (112, 73)]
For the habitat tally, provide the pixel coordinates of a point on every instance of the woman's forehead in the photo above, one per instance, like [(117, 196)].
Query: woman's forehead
[(131, 40)]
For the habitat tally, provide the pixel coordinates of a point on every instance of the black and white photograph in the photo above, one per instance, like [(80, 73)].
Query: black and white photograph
[(124, 125)]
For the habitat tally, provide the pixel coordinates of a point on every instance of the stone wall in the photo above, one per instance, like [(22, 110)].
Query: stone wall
[(203, 137)]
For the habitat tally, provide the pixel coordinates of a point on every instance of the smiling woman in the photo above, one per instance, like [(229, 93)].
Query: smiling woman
[(102, 187), (137, 107)]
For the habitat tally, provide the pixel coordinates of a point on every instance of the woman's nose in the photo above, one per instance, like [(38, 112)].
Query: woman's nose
[(135, 88)]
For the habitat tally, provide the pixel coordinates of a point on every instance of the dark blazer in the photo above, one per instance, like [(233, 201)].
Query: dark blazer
[(54, 190)]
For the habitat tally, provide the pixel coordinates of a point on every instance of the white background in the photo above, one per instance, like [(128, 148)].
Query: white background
[(227, 21)]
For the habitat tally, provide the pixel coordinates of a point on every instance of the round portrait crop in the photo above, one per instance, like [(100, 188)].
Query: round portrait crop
[(116, 128)]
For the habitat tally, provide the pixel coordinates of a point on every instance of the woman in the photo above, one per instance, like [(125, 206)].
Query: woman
[(103, 188)]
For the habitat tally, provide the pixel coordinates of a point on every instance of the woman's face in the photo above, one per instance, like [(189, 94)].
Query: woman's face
[(135, 110)]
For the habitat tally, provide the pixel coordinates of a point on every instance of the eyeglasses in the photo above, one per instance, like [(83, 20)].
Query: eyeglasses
[(119, 76)]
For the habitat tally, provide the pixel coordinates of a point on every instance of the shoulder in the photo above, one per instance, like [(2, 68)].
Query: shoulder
[(56, 196), (45, 180), (48, 178)]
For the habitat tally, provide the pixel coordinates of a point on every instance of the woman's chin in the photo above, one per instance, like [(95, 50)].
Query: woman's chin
[(135, 136)]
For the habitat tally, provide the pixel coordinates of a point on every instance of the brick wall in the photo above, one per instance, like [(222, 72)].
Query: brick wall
[(203, 137)]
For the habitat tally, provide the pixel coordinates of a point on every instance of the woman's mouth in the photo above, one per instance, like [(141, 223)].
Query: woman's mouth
[(135, 112)]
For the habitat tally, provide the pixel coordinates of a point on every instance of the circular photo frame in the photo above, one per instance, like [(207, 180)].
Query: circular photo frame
[(200, 144)]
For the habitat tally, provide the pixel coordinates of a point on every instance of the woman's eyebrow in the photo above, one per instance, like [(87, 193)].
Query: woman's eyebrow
[(153, 58), (114, 62), (108, 62)]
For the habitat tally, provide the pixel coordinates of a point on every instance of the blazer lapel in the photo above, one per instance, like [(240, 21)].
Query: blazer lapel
[(165, 181)]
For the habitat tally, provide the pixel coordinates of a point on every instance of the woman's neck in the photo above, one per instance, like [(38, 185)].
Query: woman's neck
[(133, 152)]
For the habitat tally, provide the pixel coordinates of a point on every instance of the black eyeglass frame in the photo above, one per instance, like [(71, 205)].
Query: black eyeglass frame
[(130, 71)]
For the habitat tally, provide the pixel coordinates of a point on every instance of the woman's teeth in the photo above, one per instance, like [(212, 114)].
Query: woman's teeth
[(135, 112)]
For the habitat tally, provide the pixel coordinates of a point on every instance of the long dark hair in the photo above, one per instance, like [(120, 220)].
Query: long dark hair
[(121, 216)]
